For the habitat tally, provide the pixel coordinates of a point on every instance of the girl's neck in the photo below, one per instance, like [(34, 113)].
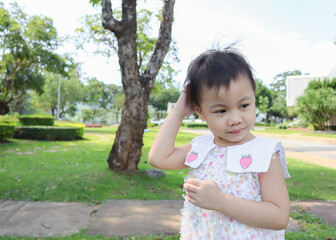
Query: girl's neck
[(224, 143)]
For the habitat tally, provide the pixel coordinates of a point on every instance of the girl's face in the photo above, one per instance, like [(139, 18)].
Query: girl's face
[(230, 113)]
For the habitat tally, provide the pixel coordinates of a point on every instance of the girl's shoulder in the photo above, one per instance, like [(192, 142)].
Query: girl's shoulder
[(203, 139), (200, 146), (255, 156)]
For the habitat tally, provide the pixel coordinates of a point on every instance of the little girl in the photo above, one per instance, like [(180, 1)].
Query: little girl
[(235, 188)]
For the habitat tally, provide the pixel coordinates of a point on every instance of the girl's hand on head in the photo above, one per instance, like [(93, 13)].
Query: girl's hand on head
[(183, 105), (203, 193)]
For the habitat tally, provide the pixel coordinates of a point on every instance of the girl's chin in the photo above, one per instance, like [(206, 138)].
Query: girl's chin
[(228, 141), (233, 140)]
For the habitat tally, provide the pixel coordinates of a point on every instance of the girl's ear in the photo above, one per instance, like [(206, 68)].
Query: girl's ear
[(199, 112)]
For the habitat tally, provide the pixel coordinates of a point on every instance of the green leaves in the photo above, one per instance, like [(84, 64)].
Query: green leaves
[(316, 106), (72, 93), (263, 104), (160, 97), (28, 45), (95, 2)]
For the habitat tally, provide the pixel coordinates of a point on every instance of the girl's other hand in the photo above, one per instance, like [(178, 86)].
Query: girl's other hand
[(203, 193), (183, 104)]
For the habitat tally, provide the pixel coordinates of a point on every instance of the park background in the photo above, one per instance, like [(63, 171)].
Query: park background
[(94, 97)]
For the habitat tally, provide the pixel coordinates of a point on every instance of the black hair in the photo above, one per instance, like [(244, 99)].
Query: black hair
[(215, 68)]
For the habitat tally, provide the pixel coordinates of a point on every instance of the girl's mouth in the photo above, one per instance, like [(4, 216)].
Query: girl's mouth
[(237, 131)]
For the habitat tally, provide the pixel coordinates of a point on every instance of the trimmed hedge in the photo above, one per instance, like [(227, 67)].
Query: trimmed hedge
[(36, 120), (332, 127), (282, 126), (8, 119), (78, 126), (196, 125), (7, 130), (46, 133)]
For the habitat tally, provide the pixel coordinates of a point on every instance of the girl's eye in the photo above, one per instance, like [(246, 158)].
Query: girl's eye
[(221, 111), (244, 106)]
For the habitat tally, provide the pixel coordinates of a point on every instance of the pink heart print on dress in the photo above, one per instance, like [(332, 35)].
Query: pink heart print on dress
[(245, 161), (192, 157)]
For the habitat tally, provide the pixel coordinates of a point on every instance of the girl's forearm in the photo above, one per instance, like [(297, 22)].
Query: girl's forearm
[(260, 214), (164, 142)]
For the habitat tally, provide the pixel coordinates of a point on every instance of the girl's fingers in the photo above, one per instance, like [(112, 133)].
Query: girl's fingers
[(194, 181), (190, 200), (190, 187), (191, 195)]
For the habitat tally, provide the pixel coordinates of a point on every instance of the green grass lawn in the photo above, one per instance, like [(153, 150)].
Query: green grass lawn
[(77, 171), (311, 227), (310, 181)]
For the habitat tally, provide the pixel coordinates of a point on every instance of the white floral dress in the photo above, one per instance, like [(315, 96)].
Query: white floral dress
[(211, 162)]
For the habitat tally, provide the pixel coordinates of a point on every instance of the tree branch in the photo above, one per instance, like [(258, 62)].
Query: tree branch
[(108, 20), (162, 44)]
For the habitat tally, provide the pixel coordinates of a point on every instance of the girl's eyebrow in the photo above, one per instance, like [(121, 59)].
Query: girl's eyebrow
[(217, 105), (244, 99), (223, 105)]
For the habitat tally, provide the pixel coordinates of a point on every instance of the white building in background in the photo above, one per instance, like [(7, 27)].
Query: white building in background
[(297, 84)]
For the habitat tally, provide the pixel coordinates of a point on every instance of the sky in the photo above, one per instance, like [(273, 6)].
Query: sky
[(275, 36)]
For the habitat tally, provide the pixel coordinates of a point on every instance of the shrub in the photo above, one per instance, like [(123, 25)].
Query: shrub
[(196, 125), (78, 126), (46, 132), (8, 119), (7, 130), (282, 126), (36, 120), (332, 127)]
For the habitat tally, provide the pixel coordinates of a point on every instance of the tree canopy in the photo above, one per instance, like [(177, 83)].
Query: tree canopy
[(316, 106), (160, 98), (72, 93), (279, 83), (28, 45)]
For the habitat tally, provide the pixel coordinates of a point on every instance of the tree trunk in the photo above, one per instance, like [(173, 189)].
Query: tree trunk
[(4, 108), (126, 150)]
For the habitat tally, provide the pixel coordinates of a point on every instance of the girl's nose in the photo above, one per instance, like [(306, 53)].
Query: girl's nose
[(234, 119)]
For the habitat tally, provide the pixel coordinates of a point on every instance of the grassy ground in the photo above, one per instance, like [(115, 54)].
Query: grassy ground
[(311, 227), (77, 171), (310, 182)]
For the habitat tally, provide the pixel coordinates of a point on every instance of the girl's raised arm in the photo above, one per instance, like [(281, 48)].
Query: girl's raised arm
[(163, 153)]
